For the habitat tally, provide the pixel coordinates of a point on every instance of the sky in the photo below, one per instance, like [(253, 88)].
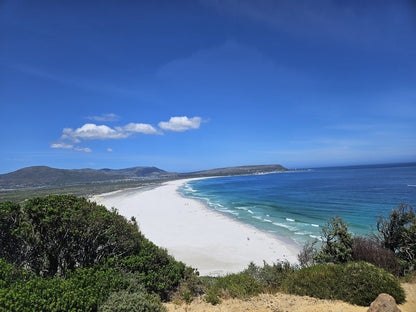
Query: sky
[(192, 85)]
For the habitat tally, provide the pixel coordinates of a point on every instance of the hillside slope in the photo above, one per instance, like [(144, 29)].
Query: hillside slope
[(41, 176)]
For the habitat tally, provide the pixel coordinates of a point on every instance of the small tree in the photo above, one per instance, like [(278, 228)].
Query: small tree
[(337, 242), (397, 232), (307, 255)]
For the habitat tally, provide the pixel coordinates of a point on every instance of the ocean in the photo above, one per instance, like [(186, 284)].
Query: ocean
[(297, 204)]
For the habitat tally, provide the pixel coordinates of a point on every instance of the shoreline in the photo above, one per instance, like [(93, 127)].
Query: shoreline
[(193, 233), (286, 240)]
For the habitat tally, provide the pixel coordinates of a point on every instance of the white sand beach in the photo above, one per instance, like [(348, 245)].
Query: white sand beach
[(200, 237)]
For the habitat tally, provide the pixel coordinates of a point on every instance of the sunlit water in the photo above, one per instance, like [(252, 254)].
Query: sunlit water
[(297, 204)]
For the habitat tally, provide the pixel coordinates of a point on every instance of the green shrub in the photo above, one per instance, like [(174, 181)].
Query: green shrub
[(239, 285), (82, 290), (336, 242), (9, 273), (270, 276), (307, 255), (58, 233), (233, 285), (155, 269), (213, 296), (124, 301), (397, 232), (10, 238), (355, 282), (190, 287)]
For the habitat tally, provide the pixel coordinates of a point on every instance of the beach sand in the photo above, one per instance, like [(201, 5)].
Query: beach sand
[(200, 237)]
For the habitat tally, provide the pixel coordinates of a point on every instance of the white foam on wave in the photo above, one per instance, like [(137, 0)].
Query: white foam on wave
[(314, 236), (302, 233), (231, 212), (267, 220), (290, 228), (241, 208), (250, 211), (258, 218), (314, 225), (291, 220), (188, 188)]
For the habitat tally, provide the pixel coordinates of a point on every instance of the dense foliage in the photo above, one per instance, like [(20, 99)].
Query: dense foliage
[(53, 234), (270, 276), (336, 242), (355, 282), (397, 232), (392, 248), (63, 253), (238, 285)]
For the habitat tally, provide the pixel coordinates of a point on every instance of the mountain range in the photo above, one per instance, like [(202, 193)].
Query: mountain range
[(43, 176)]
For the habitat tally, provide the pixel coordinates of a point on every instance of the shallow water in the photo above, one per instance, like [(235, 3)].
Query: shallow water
[(297, 204)]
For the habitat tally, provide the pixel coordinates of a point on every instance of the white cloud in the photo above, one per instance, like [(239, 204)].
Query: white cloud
[(140, 128), (180, 123), (82, 149), (62, 145), (105, 117), (92, 132)]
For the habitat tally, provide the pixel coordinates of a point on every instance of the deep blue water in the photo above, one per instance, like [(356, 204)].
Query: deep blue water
[(297, 204)]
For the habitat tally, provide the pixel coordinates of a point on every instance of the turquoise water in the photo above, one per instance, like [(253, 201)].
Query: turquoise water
[(297, 204)]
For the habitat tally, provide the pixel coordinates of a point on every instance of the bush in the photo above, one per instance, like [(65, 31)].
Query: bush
[(213, 296), (124, 301), (307, 255), (76, 252), (231, 286), (10, 238), (355, 282), (155, 269), (336, 243), (369, 250), (239, 285), (270, 276), (82, 290), (58, 233), (190, 287), (397, 232)]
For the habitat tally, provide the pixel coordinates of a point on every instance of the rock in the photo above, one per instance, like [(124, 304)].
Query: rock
[(384, 303)]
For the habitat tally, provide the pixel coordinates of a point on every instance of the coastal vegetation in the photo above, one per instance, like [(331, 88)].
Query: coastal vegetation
[(65, 253), (364, 266)]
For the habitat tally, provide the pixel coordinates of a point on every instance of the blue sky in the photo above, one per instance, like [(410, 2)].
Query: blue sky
[(190, 85)]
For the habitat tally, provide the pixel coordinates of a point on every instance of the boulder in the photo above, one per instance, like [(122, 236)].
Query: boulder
[(384, 303)]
